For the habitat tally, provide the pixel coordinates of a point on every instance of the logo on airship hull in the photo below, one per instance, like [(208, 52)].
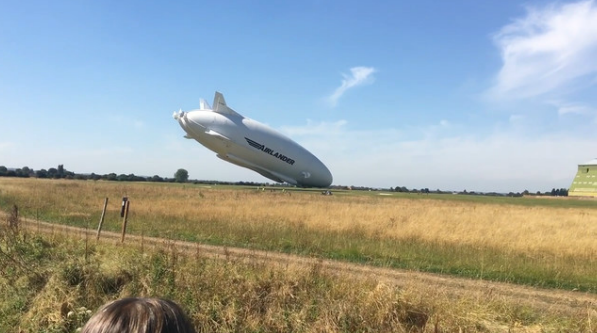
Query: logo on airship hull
[(269, 151)]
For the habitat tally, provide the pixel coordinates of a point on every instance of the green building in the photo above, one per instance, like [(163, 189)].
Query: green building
[(585, 182)]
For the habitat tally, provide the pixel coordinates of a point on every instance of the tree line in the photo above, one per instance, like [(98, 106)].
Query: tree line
[(182, 176), (61, 173), (562, 192)]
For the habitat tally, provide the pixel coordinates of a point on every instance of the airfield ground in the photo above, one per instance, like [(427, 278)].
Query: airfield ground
[(547, 235), (561, 301)]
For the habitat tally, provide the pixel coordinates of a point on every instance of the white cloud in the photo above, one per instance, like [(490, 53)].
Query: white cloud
[(552, 50), (138, 124), (359, 76), (566, 108), (516, 118), (337, 137), (111, 151), (126, 121), (579, 111), (313, 128), (501, 160), (5, 146)]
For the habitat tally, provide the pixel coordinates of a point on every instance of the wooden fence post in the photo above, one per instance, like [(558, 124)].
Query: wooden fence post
[(126, 214), (99, 227)]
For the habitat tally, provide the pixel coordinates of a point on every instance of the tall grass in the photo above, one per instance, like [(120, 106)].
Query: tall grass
[(536, 245), (61, 282)]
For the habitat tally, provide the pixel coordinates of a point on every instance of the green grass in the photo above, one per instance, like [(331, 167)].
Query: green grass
[(479, 262), (55, 284), (530, 201), (541, 270)]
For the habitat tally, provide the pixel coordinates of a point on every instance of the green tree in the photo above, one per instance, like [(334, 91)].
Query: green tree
[(53, 173), (181, 176), (43, 173), (26, 172)]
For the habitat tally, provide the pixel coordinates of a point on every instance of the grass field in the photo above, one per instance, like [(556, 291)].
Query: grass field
[(539, 242), (54, 284)]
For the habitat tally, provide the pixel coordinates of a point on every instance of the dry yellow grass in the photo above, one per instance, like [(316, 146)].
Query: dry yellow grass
[(255, 296), (263, 295), (536, 245), (557, 231)]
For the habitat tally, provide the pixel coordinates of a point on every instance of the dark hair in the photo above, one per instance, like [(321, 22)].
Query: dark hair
[(139, 315)]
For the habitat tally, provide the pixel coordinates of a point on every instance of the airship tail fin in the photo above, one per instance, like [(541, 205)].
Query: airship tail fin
[(221, 107), (203, 105)]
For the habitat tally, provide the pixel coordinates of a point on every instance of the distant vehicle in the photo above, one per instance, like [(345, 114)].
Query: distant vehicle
[(252, 145)]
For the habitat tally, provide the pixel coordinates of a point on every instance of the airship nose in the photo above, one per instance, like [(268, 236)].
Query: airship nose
[(327, 177), (183, 121), (178, 115), (321, 177)]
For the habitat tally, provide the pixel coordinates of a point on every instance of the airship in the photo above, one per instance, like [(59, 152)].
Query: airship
[(250, 144)]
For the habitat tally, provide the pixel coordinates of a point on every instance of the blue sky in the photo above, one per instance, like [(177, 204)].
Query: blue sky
[(476, 95)]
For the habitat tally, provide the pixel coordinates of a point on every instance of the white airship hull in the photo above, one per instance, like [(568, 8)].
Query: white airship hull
[(253, 145)]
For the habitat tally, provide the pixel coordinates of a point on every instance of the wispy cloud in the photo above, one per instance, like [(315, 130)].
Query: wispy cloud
[(138, 124), (574, 109), (449, 160), (5, 146), (515, 118), (314, 128), (126, 121), (550, 50), (358, 76)]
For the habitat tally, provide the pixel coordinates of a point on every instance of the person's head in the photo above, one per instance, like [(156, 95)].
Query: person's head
[(139, 315)]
